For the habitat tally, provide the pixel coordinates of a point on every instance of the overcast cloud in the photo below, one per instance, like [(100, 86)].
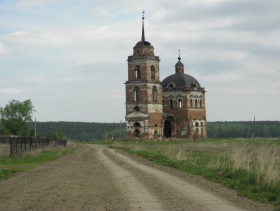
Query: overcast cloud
[(69, 57)]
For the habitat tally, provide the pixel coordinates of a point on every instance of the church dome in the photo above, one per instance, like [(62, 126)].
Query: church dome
[(142, 43), (180, 80)]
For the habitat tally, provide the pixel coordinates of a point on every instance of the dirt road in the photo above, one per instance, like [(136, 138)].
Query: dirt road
[(98, 178)]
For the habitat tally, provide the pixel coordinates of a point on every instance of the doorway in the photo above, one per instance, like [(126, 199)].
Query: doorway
[(137, 133), (167, 129)]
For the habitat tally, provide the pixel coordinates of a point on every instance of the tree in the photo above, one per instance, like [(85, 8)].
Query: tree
[(16, 115), (57, 134)]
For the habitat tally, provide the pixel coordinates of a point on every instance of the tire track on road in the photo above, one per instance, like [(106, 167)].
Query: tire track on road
[(138, 196), (200, 198)]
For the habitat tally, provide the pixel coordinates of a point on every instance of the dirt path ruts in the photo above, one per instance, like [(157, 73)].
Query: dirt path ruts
[(139, 197), (75, 182), (196, 198), (98, 178)]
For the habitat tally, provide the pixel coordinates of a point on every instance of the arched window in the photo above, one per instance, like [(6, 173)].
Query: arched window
[(154, 93), (136, 124), (195, 103), (200, 103), (171, 103), (191, 102), (137, 72), (136, 93), (136, 108), (194, 85), (171, 85), (153, 72), (180, 105), (196, 129)]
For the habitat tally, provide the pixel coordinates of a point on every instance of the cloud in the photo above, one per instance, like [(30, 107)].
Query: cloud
[(101, 11), (78, 54), (3, 49), (11, 90), (26, 4)]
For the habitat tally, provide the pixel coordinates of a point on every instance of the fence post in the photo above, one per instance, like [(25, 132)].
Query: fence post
[(21, 139), (11, 147), (16, 146)]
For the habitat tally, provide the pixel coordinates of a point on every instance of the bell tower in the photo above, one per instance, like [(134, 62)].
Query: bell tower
[(144, 117)]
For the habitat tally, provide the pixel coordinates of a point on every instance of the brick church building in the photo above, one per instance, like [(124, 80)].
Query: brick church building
[(172, 108)]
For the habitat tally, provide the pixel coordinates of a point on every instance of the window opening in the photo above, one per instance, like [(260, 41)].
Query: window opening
[(200, 103), (171, 104), (170, 85), (180, 103), (153, 76), (137, 72), (154, 93), (195, 103), (136, 94), (196, 129), (136, 108), (136, 124)]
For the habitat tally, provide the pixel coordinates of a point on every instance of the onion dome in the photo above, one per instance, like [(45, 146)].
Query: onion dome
[(180, 79), (179, 67)]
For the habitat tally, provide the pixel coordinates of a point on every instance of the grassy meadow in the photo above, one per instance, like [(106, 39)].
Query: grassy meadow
[(252, 167), (11, 166), (4, 150)]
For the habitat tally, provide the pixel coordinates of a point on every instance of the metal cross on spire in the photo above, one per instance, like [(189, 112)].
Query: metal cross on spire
[(179, 58)]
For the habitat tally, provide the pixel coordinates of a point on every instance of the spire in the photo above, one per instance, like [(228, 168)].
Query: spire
[(143, 42), (143, 31), (179, 58)]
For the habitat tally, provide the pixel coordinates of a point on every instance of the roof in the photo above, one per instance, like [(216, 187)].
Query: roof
[(142, 43), (180, 80)]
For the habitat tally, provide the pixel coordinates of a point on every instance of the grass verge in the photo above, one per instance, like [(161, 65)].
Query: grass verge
[(12, 166), (250, 167)]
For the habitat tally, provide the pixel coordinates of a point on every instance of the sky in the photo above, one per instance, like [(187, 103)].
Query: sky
[(70, 57)]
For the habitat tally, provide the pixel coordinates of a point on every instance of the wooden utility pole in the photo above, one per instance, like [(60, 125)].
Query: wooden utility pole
[(254, 134), (35, 129)]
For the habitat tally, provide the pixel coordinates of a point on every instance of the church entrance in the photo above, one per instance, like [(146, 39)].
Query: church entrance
[(167, 129), (136, 126), (137, 133)]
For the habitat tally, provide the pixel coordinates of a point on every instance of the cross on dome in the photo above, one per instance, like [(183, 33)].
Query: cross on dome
[(179, 58)]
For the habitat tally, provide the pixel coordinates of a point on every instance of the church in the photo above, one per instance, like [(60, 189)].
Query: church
[(155, 109)]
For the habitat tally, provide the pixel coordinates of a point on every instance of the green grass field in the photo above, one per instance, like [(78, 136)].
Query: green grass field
[(4, 150), (252, 167), (12, 166)]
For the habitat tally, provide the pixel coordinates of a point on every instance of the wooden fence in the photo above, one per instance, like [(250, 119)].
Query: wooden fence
[(19, 145)]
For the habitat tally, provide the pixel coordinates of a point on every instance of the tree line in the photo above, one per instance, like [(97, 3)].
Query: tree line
[(244, 129), (85, 131), (81, 131), (16, 119)]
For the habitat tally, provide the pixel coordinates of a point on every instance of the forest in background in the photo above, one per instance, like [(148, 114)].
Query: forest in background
[(85, 131)]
